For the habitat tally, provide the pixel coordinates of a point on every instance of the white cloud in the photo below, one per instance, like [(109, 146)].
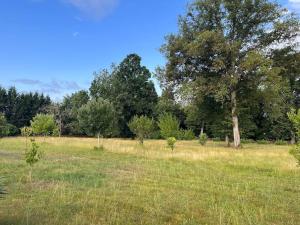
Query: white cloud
[(95, 9)]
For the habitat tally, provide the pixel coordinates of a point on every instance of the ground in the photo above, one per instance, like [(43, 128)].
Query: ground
[(130, 184)]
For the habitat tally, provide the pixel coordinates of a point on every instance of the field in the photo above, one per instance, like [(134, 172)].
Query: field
[(130, 184)]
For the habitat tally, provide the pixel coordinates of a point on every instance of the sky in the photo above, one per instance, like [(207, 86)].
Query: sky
[(55, 46)]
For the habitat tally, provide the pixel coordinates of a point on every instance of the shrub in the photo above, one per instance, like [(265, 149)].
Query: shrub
[(141, 126), (43, 124), (186, 135), (262, 142), (169, 125), (203, 139), (281, 142), (171, 142)]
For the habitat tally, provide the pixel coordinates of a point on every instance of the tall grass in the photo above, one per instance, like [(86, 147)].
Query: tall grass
[(132, 184)]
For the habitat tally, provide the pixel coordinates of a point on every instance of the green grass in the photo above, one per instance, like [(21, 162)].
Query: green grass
[(130, 184)]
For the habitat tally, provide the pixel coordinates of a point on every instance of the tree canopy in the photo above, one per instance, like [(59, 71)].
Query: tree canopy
[(222, 50)]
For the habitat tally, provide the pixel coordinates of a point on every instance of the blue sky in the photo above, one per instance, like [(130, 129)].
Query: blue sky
[(54, 46)]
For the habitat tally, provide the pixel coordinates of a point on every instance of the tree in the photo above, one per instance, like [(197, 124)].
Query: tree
[(98, 117), (221, 51), (171, 143), (169, 125), (129, 88), (141, 126), (20, 108), (294, 117), (67, 113), (32, 156), (3, 126), (43, 124)]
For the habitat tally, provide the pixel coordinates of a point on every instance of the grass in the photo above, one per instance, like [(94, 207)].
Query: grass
[(130, 184)]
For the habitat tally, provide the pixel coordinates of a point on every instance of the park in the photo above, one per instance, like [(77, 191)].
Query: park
[(210, 134)]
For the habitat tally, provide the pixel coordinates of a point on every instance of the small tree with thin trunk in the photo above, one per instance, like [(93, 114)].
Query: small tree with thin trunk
[(141, 126), (97, 117), (32, 156), (169, 125)]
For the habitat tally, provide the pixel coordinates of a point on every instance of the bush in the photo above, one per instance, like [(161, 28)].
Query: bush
[(262, 142), (171, 142), (141, 126), (281, 142), (203, 139), (169, 125), (186, 135), (43, 124)]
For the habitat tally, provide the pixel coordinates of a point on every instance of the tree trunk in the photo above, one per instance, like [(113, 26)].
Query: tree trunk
[(202, 129), (235, 121), (227, 141), (293, 139)]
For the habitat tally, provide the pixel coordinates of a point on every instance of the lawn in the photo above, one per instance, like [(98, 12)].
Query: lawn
[(130, 184)]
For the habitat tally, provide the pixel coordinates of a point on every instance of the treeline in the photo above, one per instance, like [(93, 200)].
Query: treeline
[(232, 72), (20, 108), (129, 89)]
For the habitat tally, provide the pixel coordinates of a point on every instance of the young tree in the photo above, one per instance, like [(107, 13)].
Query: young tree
[(98, 117), (221, 51), (141, 126), (32, 156), (43, 124), (169, 125), (294, 117), (171, 143)]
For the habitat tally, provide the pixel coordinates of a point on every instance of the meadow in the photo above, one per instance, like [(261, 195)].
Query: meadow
[(127, 183)]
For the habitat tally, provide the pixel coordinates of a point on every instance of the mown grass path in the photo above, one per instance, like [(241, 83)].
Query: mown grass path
[(130, 184)]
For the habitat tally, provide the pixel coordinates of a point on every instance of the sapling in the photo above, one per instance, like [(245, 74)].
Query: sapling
[(203, 139), (171, 143), (142, 127), (32, 156)]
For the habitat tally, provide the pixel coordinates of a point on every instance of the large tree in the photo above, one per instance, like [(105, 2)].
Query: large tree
[(129, 88), (221, 50)]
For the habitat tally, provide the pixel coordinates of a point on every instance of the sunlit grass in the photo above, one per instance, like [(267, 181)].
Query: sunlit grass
[(132, 184)]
